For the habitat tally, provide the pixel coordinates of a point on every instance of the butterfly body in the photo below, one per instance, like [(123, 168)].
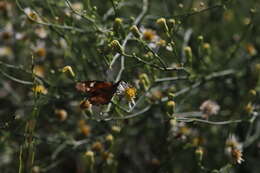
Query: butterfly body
[(98, 92)]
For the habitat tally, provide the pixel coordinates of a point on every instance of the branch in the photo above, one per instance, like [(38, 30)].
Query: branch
[(136, 22)]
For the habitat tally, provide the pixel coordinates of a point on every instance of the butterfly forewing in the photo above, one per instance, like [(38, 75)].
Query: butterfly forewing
[(99, 92)]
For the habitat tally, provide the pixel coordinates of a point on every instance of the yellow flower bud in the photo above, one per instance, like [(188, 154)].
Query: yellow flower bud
[(172, 23), (249, 108), (170, 105), (116, 46), (162, 23), (85, 129), (135, 31), (188, 53), (199, 153), (144, 81), (110, 138), (118, 25), (68, 69), (116, 129)]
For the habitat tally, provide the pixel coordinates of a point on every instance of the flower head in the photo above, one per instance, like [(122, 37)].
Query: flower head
[(61, 114), (234, 149), (128, 91), (209, 107), (32, 15), (149, 35), (40, 89)]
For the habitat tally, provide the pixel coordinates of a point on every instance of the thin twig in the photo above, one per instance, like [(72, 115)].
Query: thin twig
[(15, 79), (65, 27), (129, 116), (136, 22), (198, 83), (84, 17), (208, 122)]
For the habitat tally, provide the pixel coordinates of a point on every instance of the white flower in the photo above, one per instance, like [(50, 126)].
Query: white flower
[(209, 107)]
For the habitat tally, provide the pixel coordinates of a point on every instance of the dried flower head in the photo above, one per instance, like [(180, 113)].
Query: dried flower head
[(97, 146), (237, 155), (209, 107), (61, 114), (149, 35), (85, 129), (234, 149), (40, 52), (85, 104), (39, 70)]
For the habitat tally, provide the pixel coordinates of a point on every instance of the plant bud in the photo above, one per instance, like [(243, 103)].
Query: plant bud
[(144, 81), (118, 25), (90, 160), (135, 31), (200, 39), (162, 23), (68, 69), (170, 105), (199, 153), (188, 53), (171, 23), (207, 48), (116, 46)]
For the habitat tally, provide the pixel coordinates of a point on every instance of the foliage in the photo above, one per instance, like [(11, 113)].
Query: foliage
[(189, 100)]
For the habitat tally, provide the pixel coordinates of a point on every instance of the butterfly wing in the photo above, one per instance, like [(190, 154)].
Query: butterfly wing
[(99, 92)]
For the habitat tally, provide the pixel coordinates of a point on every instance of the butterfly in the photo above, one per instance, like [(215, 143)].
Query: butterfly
[(98, 92)]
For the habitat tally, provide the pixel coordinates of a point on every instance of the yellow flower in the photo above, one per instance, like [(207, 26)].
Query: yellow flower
[(130, 93), (69, 69), (40, 89)]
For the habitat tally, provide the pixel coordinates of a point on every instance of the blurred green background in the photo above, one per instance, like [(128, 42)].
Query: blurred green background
[(182, 54)]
